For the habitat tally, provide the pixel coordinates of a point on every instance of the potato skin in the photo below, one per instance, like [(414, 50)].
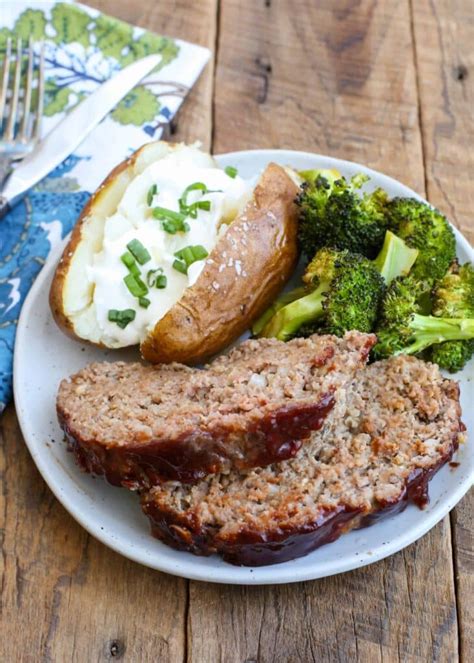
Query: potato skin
[(261, 244), (56, 293), (243, 275)]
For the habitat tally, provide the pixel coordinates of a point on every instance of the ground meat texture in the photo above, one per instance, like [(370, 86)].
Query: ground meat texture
[(253, 406), (399, 423)]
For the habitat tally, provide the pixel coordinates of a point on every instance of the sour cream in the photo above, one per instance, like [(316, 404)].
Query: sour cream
[(134, 220)]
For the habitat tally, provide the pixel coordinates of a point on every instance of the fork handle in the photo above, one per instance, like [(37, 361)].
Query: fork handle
[(5, 170), (4, 207)]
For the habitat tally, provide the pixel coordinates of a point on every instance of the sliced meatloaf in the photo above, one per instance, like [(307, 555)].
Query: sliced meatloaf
[(253, 406), (400, 423)]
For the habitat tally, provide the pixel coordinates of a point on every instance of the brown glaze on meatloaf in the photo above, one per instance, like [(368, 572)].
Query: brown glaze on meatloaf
[(256, 405), (399, 424)]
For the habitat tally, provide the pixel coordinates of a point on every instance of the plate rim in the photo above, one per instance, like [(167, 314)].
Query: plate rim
[(263, 575)]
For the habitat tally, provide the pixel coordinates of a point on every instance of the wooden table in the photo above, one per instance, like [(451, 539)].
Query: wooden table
[(388, 84)]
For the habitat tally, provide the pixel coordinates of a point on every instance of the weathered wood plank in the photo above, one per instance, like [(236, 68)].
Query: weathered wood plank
[(444, 33), (401, 609), (65, 597), (335, 78), (461, 523), (195, 22)]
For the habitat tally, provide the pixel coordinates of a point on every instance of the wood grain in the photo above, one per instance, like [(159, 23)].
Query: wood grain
[(383, 83), (336, 78), (385, 612), (65, 597), (444, 33)]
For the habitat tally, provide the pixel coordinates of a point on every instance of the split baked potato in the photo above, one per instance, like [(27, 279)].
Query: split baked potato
[(176, 254)]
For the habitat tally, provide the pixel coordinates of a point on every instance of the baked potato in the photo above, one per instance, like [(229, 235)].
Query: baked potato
[(176, 254)]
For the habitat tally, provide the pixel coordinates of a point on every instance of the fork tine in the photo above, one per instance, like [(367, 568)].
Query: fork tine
[(40, 101), (5, 77), (10, 131), (27, 93)]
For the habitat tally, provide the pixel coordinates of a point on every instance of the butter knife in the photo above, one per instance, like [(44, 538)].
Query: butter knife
[(71, 131)]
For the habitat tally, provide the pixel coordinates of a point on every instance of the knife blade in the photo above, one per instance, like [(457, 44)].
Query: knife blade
[(71, 131)]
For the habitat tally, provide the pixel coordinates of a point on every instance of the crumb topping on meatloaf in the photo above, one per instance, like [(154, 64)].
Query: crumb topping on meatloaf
[(399, 422), (248, 408)]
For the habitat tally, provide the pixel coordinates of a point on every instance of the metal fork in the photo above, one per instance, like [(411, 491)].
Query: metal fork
[(20, 123)]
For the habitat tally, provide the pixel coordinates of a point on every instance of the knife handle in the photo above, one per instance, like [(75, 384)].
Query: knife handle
[(4, 207)]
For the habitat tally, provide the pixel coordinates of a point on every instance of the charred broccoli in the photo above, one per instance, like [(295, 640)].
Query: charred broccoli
[(454, 297), (343, 292), (402, 329), (334, 213), (426, 229)]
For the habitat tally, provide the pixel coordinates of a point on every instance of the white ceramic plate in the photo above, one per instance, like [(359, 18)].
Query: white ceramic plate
[(43, 356)]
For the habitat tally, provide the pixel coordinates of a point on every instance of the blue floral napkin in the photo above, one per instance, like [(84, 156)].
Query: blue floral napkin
[(83, 49)]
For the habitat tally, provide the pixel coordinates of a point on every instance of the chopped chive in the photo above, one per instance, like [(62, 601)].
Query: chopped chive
[(135, 285), (191, 209), (179, 254), (196, 186), (165, 213), (191, 253), (169, 226), (152, 275), (123, 322), (187, 256), (138, 251), (121, 318), (156, 278), (161, 281), (180, 266), (172, 227), (231, 171), (129, 262), (199, 252), (127, 259), (152, 191), (171, 221), (201, 204), (144, 302)]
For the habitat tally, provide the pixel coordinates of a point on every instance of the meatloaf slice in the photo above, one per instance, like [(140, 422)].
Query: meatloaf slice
[(400, 423), (251, 407)]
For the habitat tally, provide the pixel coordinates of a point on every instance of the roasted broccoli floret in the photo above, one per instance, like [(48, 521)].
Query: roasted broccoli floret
[(343, 292), (329, 174), (395, 259), (402, 329), (452, 355), (333, 212), (426, 229), (278, 304), (454, 297)]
